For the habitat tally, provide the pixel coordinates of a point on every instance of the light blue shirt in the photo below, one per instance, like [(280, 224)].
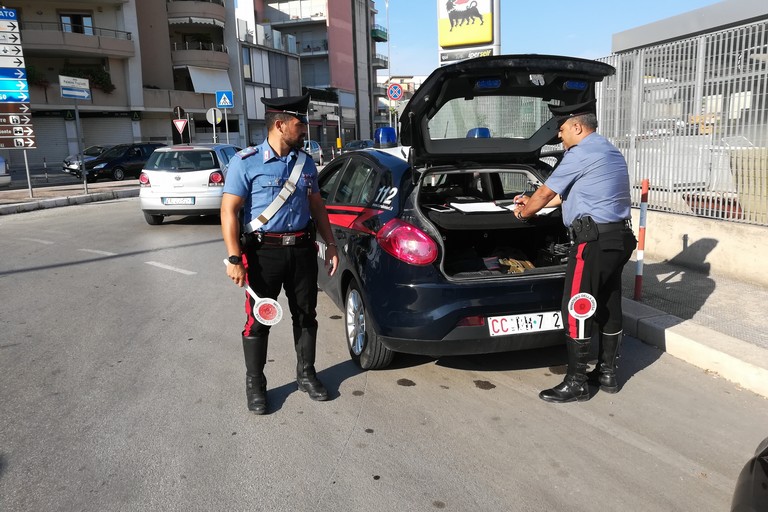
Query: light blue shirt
[(257, 174), (593, 180)]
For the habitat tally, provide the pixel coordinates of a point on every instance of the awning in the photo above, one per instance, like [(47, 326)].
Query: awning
[(209, 80), (187, 20)]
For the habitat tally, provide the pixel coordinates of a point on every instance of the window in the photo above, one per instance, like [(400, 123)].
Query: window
[(247, 63), (78, 23), (356, 186)]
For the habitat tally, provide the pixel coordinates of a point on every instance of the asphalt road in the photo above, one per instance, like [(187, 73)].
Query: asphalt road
[(121, 388)]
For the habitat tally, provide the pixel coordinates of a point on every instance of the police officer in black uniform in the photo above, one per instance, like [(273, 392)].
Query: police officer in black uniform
[(592, 184), (277, 248)]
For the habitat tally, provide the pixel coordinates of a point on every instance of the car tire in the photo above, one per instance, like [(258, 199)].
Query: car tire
[(91, 178), (153, 220), (365, 348), (118, 173)]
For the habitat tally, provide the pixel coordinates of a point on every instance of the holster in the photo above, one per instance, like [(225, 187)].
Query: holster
[(583, 230)]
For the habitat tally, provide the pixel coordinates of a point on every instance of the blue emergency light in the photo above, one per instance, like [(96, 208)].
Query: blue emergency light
[(385, 137)]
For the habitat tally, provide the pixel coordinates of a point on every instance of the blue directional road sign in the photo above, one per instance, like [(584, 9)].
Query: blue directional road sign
[(17, 131), (224, 99), (77, 94)]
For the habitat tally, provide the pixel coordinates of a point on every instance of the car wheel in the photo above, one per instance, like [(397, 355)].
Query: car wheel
[(118, 173), (153, 220), (91, 178), (365, 348)]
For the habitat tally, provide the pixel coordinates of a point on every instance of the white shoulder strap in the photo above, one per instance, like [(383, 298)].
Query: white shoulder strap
[(288, 188)]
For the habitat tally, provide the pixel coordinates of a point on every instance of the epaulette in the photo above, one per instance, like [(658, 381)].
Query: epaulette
[(245, 153)]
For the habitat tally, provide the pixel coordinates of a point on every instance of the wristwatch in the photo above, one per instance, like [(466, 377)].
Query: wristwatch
[(235, 260)]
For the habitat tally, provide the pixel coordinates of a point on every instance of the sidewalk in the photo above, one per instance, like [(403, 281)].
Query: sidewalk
[(706, 319)]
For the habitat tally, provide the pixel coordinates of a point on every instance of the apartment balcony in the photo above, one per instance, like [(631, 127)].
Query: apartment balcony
[(204, 55), (53, 39), (313, 48), (164, 100), (381, 119), (379, 34), (288, 15), (201, 12), (379, 90), (379, 61)]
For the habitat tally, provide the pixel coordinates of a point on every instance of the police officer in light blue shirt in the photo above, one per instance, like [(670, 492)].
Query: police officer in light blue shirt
[(277, 248), (592, 185)]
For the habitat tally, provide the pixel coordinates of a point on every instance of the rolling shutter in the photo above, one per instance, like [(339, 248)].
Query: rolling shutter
[(106, 130), (51, 142)]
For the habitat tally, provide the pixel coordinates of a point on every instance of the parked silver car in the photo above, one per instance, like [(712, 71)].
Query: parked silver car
[(184, 180), (313, 149)]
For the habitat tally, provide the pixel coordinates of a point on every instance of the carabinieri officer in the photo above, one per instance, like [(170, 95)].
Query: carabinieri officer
[(592, 184), (276, 203)]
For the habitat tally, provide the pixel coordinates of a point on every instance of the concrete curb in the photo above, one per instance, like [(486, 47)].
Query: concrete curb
[(733, 359), (55, 202)]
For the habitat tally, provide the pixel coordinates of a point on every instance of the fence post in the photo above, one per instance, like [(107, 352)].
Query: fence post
[(641, 240)]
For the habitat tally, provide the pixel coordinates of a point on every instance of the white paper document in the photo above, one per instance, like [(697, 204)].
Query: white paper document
[(477, 207)]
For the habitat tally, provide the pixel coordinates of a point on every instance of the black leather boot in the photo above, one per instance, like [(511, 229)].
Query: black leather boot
[(255, 351), (306, 377), (574, 386), (604, 373)]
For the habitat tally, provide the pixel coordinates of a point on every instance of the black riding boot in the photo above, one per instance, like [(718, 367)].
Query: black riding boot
[(604, 373), (574, 386), (306, 377), (255, 351)]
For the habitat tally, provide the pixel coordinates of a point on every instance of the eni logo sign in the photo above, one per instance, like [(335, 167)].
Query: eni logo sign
[(464, 22)]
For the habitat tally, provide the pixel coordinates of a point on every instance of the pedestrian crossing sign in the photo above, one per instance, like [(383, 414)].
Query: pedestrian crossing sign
[(224, 99)]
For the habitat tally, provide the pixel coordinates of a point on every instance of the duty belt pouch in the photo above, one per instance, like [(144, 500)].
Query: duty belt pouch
[(584, 230)]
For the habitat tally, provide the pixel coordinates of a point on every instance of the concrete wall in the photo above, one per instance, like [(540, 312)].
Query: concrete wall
[(710, 245)]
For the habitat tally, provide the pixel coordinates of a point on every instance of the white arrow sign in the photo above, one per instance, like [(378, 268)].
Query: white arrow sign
[(78, 94)]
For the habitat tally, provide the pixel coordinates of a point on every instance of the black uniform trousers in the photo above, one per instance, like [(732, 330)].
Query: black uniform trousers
[(292, 267), (595, 268)]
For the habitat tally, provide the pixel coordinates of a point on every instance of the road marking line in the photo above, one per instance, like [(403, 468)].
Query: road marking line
[(46, 242), (168, 267), (103, 253)]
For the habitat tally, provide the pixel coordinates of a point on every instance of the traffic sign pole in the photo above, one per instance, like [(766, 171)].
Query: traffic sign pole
[(226, 125)]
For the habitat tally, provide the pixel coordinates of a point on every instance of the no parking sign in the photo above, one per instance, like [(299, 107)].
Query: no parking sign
[(395, 92)]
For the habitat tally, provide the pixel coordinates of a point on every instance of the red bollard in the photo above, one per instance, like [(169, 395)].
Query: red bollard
[(641, 240)]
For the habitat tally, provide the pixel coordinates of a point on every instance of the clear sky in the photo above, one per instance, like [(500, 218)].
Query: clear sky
[(560, 27)]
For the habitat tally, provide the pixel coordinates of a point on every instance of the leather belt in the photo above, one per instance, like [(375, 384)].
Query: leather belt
[(614, 226), (281, 239)]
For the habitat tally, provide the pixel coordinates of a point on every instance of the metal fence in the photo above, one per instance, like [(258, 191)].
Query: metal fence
[(691, 116)]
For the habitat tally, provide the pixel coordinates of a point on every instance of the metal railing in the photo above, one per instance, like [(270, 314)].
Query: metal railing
[(314, 46), (219, 2), (75, 29), (211, 47), (691, 116)]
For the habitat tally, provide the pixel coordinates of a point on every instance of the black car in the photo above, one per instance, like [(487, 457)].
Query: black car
[(118, 162), (432, 259)]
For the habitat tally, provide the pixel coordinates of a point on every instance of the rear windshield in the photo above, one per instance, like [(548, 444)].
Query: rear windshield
[(516, 117), (181, 161)]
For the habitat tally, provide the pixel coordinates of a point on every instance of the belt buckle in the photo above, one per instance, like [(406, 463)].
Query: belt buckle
[(289, 240)]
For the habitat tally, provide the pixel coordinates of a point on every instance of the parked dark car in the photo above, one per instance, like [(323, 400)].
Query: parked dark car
[(356, 144), (72, 162), (119, 161), (751, 492), (432, 259)]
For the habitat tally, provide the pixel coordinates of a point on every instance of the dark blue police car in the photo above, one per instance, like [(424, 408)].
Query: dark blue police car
[(432, 259)]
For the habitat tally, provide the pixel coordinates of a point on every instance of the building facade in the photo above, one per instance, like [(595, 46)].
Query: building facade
[(148, 60)]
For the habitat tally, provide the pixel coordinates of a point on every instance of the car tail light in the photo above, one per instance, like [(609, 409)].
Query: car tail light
[(144, 180), (471, 321), (407, 243), (216, 179)]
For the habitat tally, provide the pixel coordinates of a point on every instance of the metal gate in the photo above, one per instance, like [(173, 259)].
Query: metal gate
[(51, 142), (692, 117), (106, 130)]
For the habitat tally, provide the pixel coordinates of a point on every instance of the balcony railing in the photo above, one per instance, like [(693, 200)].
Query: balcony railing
[(379, 33), (211, 47), (380, 61), (75, 29), (309, 47), (220, 2)]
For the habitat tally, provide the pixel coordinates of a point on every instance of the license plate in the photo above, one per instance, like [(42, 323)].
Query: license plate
[(517, 324), (178, 200)]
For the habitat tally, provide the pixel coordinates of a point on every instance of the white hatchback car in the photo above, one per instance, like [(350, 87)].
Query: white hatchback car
[(184, 180)]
